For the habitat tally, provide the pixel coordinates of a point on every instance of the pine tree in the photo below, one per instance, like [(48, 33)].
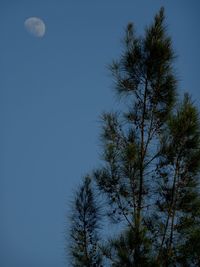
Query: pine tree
[(151, 155), (179, 202), (84, 225)]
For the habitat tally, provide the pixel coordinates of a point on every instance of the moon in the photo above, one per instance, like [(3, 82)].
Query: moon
[(35, 26)]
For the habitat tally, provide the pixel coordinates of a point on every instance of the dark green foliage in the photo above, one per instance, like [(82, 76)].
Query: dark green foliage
[(84, 224), (189, 251), (151, 154), (179, 202), (121, 251)]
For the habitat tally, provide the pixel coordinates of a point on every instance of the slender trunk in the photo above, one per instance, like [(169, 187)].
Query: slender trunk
[(141, 181), (173, 206), (142, 150), (85, 243), (171, 211)]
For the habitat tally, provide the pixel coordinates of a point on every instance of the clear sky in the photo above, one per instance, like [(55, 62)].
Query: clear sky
[(52, 91)]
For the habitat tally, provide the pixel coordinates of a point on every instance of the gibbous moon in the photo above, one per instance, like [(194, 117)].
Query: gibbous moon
[(35, 26)]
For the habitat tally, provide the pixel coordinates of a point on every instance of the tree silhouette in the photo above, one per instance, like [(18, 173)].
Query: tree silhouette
[(151, 153), (84, 219)]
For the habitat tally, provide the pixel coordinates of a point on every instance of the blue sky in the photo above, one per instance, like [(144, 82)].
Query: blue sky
[(52, 91)]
